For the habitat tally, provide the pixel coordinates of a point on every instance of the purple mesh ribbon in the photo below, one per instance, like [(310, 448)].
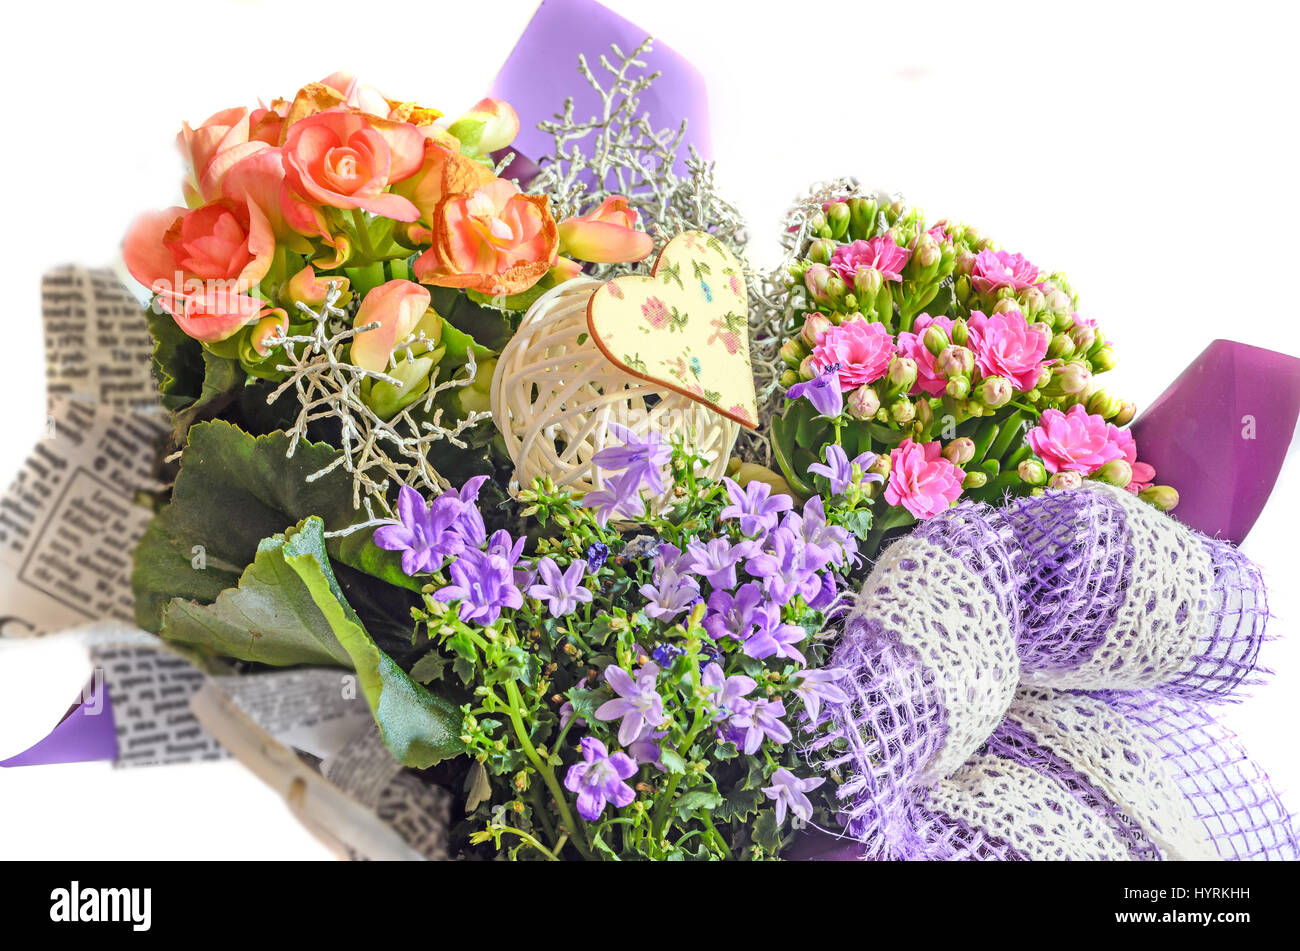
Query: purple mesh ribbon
[(1231, 796), (1057, 565)]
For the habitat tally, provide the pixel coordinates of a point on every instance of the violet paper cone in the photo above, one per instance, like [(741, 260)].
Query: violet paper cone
[(86, 734), (1219, 434), (540, 73)]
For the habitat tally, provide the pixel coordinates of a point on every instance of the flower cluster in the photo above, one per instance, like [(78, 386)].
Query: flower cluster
[(653, 686), (382, 198), (968, 365)]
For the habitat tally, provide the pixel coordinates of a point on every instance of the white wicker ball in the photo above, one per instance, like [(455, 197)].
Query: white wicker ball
[(554, 394)]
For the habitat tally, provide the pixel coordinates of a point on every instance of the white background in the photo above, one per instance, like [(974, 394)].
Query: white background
[(1146, 149)]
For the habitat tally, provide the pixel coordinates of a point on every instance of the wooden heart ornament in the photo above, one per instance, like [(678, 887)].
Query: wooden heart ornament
[(685, 327)]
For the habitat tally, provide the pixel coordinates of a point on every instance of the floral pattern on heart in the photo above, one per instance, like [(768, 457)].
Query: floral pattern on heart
[(685, 326)]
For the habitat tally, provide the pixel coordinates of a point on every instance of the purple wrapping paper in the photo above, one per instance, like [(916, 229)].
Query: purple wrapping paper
[(541, 72), (1220, 433), (88, 733)]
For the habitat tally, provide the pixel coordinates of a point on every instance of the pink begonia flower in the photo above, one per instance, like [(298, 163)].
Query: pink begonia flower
[(921, 479), (218, 144), (928, 378), (345, 159), (606, 235), (358, 95), (1074, 441), (398, 306), (1008, 345), (489, 125), (1143, 473), (216, 313), (879, 252), (179, 253), (496, 240), (862, 349), (994, 269)]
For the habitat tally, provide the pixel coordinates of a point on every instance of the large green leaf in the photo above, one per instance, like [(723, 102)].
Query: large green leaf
[(288, 608), (234, 490)]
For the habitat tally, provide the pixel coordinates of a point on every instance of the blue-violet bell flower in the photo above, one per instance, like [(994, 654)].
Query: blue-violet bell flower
[(599, 779), (754, 505), (789, 792), (424, 534), (561, 590), (638, 702)]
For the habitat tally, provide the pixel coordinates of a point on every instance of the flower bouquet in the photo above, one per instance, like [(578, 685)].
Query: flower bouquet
[(673, 560)]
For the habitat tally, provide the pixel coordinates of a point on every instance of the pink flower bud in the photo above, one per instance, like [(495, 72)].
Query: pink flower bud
[(863, 403), (814, 325), (607, 235), (398, 307), (490, 125), (960, 451), (995, 391), (1065, 480), (1032, 472)]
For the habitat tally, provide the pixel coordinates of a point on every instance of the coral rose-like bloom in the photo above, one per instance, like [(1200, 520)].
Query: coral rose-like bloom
[(496, 240), (607, 235), (911, 344), (994, 269), (1074, 441), (346, 159), (217, 313), (398, 306), (879, 252), (1008, 345), (861, 348), (218, 144), (921, 479), (224, 249)]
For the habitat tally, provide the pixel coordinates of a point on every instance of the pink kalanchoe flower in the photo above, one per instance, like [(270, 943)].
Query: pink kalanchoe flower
[(994, 269), (1074, 441), (928, 378), (861, 348), (921, 479), (1008, 345), (879, 252)]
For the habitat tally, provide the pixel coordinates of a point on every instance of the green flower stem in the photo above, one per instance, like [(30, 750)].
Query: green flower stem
[(661, 811), (547, 774), (363, 234), (528, 839)]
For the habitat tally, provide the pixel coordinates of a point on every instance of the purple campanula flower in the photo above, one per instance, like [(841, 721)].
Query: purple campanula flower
[(599, 779), (672, 590), (788, 791), (638, 703), (566, 714), (561, 590), (833, 544), (785, 567), (503, 545), (838, 470), (640, 458), (826, 594), (772, 638), (817, 685), (754, 505), (470, 524), (716, 561), (665, 654), (646, 749), (619, 497), (424, 534), (733, 615), (762, 720), (823, 391), (597, 555), (727, 693), (484, 584)]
